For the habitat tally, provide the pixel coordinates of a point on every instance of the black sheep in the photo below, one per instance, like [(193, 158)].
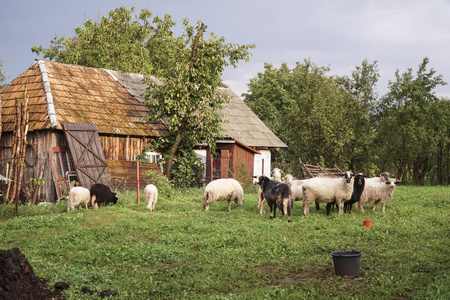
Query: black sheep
[(277, 195), (358, 187), (102, 194)]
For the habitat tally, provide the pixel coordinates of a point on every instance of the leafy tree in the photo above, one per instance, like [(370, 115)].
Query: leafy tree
[(120, 41), (189, 67), (189, 98), (361, 86), (311, 111), (407, 122)]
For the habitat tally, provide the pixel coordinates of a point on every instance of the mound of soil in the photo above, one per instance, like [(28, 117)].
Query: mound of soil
[(18, 281)]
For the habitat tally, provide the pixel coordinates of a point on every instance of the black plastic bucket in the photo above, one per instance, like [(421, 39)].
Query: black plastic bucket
[(347, 263)]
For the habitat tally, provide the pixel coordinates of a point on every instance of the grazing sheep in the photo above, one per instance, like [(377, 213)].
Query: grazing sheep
[(377, 190), (277, 195), (78, 195), (101, 193), (276, 174), (328, 190), (151, 196), (224, 189)]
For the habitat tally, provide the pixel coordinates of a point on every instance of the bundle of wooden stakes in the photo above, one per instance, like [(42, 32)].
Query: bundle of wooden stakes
[(18, 149)]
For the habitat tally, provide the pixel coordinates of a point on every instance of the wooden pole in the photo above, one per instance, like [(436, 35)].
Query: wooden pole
[(138, 184)]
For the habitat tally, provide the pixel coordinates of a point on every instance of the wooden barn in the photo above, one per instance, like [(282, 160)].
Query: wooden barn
[(85, 125), (81, 122)]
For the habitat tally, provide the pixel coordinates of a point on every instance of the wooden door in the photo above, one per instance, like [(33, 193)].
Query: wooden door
[(87, 153), (61, 165)]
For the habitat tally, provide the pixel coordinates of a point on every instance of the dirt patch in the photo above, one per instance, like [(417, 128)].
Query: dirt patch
[(18, 281), (281, 274)]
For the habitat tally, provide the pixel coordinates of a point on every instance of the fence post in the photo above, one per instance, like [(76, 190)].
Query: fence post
[(138, 185)]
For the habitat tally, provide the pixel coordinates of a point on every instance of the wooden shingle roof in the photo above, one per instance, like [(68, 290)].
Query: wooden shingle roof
[(79, 95), (245, 126), (62, 93)]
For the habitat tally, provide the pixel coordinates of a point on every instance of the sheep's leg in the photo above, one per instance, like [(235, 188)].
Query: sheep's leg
[(261, 210), (341, 206), (317, 205), (229, 205), (360, 206), (273, 209), (384, 206), (288, 208)]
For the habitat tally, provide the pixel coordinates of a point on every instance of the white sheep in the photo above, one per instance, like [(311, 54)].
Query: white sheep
[(151, 196), (296, 186), (276, 174), (328, 190), (224, 189), (377, 190), (78, 195)]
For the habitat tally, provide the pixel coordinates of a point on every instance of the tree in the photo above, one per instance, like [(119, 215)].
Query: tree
[(189, 98), (361, 85), (121, 41), (188, 66), (313, 119), (407, 123)]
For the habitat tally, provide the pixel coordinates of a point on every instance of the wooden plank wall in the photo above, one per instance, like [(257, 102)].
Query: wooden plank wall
[(124, 173), (123, 148)]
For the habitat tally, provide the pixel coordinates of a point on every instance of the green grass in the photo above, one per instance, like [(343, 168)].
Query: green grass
[(180, 251)]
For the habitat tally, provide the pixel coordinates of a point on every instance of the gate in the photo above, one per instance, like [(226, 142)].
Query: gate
[(88, 157)]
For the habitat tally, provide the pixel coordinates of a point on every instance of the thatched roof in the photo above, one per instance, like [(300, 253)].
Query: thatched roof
[(62, 93)]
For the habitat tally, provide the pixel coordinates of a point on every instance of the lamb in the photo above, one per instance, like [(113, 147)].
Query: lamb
[(78, 195), (101, 193), (151, 196), (377, 190), (224, 189), (277, 195), (328, 190)]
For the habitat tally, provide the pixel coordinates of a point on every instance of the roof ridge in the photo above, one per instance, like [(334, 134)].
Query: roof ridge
[(48, 94)]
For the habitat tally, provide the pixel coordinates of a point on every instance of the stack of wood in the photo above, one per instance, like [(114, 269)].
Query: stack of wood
[(18, 149), (310, 171)]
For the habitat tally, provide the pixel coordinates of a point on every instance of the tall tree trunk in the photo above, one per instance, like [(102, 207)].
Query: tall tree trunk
[(172, 153)]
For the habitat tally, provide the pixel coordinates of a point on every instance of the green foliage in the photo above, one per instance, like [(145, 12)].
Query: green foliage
[(164, 186), (119, 41), (306, 109), (180, 251), (415, 130), (188, 98), (187, 169)]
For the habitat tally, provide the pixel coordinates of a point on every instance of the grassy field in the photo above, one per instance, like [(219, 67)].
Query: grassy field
[(180, 251)]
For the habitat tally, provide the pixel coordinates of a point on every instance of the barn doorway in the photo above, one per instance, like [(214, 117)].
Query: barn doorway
[(63, 169)]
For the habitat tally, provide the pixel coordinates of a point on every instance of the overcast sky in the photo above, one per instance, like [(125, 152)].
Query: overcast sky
[(338, 34)]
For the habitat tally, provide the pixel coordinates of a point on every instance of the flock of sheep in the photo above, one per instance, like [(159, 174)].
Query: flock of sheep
[(280, 193), (101, 194)]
